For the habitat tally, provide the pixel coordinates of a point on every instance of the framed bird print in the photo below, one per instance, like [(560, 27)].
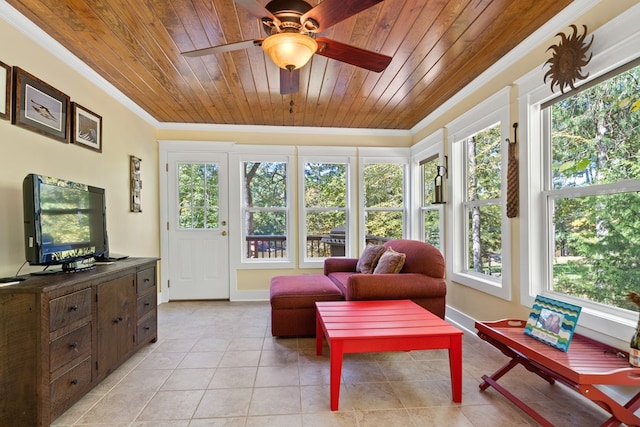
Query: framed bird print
[(40, 107), (86, 129)]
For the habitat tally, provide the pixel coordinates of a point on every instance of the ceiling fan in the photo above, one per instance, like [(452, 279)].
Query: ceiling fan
[(292, 27)]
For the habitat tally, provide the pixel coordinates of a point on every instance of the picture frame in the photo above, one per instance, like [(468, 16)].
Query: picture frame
[(136, 184), (39, 107), (86, 129), (5, 91), (553, 322)]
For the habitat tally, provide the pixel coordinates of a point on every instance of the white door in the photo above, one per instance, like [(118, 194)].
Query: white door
[(198, 247)]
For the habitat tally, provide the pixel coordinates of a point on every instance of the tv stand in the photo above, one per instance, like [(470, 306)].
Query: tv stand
[(67, 332)]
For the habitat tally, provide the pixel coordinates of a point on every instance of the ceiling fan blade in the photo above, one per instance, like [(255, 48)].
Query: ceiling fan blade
[(289, 81), (330, 12), (362, 58), (257, 10), (223, 48)]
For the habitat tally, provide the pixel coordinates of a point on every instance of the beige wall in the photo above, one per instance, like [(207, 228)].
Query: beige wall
[(23, 152)]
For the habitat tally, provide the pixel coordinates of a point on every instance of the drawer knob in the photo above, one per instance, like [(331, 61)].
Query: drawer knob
[(74, 381), (146, 328), (118, 320), (73, 308), (146, 280), (146, 304), (74, 345)]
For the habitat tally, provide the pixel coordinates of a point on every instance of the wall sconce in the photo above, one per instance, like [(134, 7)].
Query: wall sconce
[(442, 172)]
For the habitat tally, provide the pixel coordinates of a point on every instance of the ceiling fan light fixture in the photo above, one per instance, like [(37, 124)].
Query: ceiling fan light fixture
[(289, 50)]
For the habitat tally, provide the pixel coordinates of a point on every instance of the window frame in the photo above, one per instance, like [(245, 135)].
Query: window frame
[(493, 110), (615, 44), (430, 147), (368, 156), (341, 155), (236, 161)]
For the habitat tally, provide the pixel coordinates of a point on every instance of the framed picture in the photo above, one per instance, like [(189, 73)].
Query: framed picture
[(39, 107), (552, 322), (5, 91), (87, 128), (136, 184)]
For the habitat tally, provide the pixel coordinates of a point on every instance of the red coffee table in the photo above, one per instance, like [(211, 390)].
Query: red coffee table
[(373, 326)]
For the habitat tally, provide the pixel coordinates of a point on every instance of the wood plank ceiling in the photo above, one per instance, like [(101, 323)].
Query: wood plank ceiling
[(438, 47)]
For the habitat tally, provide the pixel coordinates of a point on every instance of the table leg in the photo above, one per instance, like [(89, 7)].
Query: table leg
[(318, 334), (455, 367), (336, 349)]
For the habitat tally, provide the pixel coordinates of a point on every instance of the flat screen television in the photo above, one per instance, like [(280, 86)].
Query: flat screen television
[(64, 222)]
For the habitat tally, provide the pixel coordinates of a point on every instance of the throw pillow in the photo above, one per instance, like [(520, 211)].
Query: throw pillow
[(369, 258), (390, 262)]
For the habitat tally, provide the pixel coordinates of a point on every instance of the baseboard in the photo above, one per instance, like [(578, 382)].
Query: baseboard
[(460, 319)]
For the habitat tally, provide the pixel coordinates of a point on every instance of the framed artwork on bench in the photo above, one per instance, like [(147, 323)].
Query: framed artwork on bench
[(553, 322)]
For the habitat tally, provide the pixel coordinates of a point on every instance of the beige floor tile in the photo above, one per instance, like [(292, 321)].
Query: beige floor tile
[(273, 376), (238, 358), (234, 377), (202, 359), (188, 379), (275, 421), (229, 402), (275, 401), (218, 422), (171, 405), (383, 418)]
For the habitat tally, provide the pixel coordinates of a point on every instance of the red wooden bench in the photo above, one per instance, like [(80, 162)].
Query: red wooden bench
[(588, 363)]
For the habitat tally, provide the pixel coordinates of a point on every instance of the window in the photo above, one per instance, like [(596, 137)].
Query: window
[(325, 197), (577, 209), (198, 196), (429, 212), (325, 202), (593, 179), (265, 210), (383, 185), (479, 226), (481, 202)]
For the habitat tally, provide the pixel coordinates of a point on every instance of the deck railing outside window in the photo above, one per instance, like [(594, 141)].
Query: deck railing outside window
[(318, 246)]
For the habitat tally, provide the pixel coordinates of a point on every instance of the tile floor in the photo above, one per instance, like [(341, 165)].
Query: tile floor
[(216, 364)]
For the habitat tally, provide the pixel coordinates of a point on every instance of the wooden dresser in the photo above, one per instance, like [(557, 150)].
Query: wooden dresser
[(61, 334)]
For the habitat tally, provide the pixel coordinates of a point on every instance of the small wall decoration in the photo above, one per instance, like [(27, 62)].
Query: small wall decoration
[(552, 322), (5, 91), (136, 184), (512, 175), (87, 128), (39, 107), (569, 56)]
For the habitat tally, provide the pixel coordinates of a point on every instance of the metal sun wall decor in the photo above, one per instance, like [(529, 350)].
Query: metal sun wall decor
[(569, 56)]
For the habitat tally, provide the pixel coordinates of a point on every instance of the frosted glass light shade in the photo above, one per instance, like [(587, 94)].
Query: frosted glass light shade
[(289, 50)]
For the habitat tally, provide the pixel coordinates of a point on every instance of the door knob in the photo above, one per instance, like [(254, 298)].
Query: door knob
[(224, 223), (224, 233)]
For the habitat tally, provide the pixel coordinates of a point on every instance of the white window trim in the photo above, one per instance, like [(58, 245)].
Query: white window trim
[(348, 156), (614, 44), (431, 146), (491, 111), (258, 153), (367, 156)]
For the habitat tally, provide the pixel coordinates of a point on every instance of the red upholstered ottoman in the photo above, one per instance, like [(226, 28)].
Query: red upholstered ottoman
[(293, 298)]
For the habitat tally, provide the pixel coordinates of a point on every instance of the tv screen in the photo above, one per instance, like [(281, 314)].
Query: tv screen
[(64, 221)]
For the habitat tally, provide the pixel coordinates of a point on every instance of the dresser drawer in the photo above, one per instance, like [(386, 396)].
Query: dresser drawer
[(147, 328), (146, 279), (70, 346), (146, 303), (70, 386), (69, 308)]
